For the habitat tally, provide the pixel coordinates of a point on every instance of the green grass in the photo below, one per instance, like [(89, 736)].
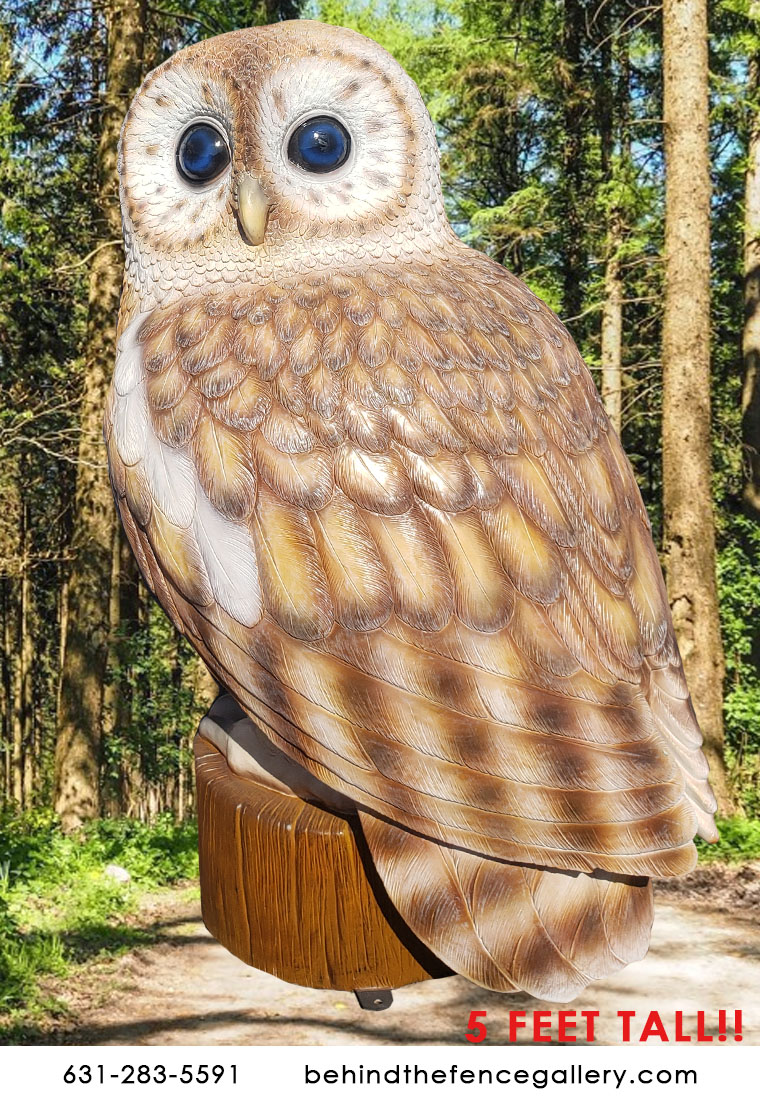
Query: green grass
[(58, 908)]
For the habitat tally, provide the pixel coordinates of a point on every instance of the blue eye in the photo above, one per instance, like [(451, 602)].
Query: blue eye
[(319, 145), (202, 154)]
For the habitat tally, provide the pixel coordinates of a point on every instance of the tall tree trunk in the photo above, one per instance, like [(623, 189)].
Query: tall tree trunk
[(613, 110), (22, 657), (26, 659), (17, 788), (63, 628), (688, 523), (80, 730), (6, 712), (112, 685), (62, 588), (128, 601), (12, 563), (612, 325), (751, 336)]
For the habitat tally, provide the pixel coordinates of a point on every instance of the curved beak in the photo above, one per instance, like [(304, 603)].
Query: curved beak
[(253, 208)]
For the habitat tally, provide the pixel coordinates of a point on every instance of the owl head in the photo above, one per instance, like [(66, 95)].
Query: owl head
[(295, 146)]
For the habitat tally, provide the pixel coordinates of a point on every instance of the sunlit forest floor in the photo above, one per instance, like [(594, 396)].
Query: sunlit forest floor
[(101, 942), (180, 987)]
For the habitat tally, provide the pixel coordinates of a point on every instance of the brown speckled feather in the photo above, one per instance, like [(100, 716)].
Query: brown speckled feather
[(511, 927), (459, 619)]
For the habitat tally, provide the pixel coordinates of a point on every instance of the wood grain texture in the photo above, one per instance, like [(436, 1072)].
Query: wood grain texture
[(287, 888)]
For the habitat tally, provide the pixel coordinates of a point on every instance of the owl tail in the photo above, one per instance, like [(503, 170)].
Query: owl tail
[(510, 926)]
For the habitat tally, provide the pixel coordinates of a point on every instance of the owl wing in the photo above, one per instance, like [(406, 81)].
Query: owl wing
[(388, 510)]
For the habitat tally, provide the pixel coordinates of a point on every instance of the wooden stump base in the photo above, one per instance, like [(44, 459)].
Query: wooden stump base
[(288, 886)]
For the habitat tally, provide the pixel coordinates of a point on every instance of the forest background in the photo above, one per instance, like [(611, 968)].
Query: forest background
[(607, 151)]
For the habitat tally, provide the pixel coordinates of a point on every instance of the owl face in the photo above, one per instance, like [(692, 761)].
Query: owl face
[(299, 143)]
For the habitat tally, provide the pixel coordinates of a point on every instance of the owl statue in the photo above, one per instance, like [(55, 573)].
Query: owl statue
[(365, 471)]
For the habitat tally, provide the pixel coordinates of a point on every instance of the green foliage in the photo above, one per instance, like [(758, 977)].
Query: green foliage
[(35, 855), (739, 842), (154, 855), (739, 590), (57, 904), (153, 678)]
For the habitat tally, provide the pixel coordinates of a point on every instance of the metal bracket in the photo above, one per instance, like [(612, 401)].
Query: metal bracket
[(374, 999)]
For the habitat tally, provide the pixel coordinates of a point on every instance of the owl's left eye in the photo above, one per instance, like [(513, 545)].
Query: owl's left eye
[(319, 145), (202, 153)]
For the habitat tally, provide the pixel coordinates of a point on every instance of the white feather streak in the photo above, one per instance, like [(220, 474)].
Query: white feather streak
[(230, 562), (171, 479), (129, 371), (130, 425)]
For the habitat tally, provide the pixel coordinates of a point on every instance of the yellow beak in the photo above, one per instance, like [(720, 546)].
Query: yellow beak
[(253, 209)]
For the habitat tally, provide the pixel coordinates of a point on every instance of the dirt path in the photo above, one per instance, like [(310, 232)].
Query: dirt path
[(187, 989)]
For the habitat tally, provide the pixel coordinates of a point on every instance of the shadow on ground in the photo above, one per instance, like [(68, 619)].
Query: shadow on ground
[(177, 986)]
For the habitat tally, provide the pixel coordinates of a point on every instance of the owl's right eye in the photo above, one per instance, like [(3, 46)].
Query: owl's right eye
[(202, 154)]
